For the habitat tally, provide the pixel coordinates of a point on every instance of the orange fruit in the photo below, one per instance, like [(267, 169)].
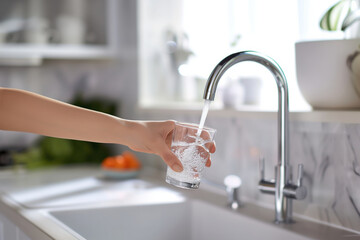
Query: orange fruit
[(126, 161), (132, 160), (108, 162), (121, 162)]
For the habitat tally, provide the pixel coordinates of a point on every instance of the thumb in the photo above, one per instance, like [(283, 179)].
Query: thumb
[(171, 160)]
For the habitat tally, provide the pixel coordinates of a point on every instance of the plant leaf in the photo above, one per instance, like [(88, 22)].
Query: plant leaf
[(334, 17)]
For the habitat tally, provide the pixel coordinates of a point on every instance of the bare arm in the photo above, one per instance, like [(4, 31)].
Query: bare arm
[(29, 112)]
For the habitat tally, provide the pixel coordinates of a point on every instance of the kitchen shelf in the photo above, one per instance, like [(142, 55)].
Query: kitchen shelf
[(55, 51), (15, 54)]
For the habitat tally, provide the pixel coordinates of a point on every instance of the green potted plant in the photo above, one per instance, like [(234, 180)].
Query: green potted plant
[(341, 16), (327, 69)]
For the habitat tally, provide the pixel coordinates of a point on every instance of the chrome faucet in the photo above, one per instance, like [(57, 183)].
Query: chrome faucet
[(282, 186)]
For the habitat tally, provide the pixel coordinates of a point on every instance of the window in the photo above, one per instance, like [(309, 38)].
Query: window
[(181, 42)]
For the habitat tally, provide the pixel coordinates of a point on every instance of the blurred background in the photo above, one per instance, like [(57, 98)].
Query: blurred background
[(149, 59)]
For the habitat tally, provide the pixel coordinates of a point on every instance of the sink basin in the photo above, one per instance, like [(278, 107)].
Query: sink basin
[(89, 209), (182, 220)]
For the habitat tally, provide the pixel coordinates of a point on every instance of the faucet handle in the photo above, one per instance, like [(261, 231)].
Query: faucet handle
[(300, 174), (233, 184), (265, 186), (296, 191)]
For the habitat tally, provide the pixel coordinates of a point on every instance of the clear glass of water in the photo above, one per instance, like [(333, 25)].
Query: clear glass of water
[(191, 145)]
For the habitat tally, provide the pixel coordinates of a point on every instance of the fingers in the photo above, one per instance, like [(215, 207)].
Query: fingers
[(205, 154), (188, 134), (168, 138), (204, 135), (172, 161), (210, 146), (212, 149), (208, 163), (192, 131)]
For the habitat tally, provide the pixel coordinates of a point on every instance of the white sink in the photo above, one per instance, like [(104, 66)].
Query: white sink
[(185, 220), (92, 209)]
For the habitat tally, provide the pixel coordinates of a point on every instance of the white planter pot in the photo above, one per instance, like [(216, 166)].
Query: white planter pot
[(327, 73)]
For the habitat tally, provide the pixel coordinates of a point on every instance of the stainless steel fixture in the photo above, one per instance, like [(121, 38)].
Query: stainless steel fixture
[(233, 184), (282, 186)]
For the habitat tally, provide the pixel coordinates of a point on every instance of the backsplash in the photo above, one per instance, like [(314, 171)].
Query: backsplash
[(329, 151)]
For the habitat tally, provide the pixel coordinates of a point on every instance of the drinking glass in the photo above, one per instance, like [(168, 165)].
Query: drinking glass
[(191, 145)]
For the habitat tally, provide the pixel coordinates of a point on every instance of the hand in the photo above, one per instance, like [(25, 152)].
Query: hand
[(156, 137)]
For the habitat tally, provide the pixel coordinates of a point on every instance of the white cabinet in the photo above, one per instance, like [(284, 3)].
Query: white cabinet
[(34, 30), (9, 231)]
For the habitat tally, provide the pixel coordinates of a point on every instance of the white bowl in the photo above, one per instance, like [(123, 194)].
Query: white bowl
[(323, 74)]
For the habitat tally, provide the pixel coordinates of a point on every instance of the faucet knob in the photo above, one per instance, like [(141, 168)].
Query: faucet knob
[(300, 174), (265, 186), (233, 184), (297, 191)]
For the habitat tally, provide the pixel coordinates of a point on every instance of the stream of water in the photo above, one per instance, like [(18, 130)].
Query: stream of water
[(203, 116)]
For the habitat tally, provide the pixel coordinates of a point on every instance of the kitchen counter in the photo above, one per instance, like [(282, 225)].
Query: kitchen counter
[(18, 180), (26, 196), (15, 180)]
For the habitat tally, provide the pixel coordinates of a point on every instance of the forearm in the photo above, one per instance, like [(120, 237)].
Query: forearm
[(29, 112)]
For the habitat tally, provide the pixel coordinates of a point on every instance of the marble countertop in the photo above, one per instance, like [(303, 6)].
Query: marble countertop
[(13, 180)]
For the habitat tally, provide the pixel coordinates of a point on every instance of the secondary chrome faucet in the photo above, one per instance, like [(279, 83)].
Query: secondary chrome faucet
[(282, 186)]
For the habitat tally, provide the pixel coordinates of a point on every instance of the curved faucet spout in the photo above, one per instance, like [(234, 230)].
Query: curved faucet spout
[(283, 101), (282, 187), (226, 63)]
